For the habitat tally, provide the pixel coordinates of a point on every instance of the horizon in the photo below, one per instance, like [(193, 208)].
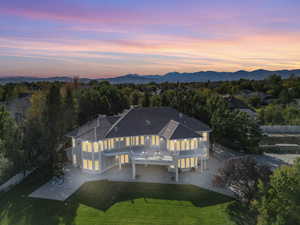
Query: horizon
[(142, 75), (106, 39)]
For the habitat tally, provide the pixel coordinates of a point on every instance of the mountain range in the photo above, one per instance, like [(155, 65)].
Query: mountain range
[(201, 76)]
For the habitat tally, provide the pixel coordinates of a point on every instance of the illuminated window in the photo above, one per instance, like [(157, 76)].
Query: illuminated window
[(90, 164), (100, 145), (187, 163), (153, 140), (84, 147), (137, 140), (196, 143), (85, 164), (97, 165), (157, 140), (181, 163), (89, 147), (205, 136), (124, 158), (96, 147), (111, 143), (192, 144), (127, 141), (172, 145), (182, 145), (142, 140), (192, 162), (187, 144)]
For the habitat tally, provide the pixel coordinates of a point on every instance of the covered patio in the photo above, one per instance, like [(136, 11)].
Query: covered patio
[(74, 178)]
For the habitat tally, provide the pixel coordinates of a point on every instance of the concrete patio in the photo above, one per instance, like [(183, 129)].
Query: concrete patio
[(74, 178)]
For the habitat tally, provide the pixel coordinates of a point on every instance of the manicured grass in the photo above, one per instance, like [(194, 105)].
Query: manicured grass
[(114, 203)]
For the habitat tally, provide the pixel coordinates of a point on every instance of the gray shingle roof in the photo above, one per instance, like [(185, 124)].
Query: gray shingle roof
[(102, 124), (163, 121), (183, 132)]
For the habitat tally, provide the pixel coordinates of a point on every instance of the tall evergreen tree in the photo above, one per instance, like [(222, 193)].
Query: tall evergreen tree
[(146, 100), (54, 127)]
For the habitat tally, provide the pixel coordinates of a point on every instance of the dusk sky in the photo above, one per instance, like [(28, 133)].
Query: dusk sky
[(105, 38)]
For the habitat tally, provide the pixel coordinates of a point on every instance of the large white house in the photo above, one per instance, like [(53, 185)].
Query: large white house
[(149, 136)]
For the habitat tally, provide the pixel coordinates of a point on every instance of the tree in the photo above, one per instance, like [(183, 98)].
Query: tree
[(10, 145), (242, 175), (233, 128), (34, 141), (285, 97), (135, 97), (5, 167), (69, 110), (102, 99), (279, 201), (155, 101), (53, 123), (146, 100), (254, 101)]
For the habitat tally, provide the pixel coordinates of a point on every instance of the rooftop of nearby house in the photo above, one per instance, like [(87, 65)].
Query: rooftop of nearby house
[(235, 103), (163, 121)]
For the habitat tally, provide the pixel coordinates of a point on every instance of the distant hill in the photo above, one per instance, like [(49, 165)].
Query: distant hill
[(201, 76)]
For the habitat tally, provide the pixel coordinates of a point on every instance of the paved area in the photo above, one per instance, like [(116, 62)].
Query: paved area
[(284, 158), (74, 178)]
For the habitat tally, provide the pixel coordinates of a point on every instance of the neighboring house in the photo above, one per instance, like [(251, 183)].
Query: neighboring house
[(149, 136), (264, 98), (237, 104), (280, 130), (18, 107)]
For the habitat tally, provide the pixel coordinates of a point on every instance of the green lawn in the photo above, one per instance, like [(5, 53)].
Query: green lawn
[(114, 203)]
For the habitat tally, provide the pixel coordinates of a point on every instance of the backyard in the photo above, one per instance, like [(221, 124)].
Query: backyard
[(103, 202)]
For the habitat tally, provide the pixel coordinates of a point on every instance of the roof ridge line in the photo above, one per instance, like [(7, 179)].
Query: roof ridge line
[(125, 114), (94, 127), (172, 128), (177, 124)]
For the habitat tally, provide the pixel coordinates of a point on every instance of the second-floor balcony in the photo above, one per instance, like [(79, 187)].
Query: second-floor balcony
[(157, 152)]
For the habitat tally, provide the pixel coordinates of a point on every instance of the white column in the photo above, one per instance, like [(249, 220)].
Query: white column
[(176, 176), (133, 170), (201, 165), (196, 163), (93, 157), (119, 159)]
